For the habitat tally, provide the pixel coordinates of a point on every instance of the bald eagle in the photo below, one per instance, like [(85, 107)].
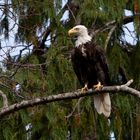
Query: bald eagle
[(90, 66)]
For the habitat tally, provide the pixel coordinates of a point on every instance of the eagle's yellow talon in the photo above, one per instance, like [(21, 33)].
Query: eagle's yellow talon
[(84, 89), (98, 86)]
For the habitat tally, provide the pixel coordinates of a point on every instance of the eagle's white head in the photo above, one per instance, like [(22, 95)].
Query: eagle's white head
[(81, 32)]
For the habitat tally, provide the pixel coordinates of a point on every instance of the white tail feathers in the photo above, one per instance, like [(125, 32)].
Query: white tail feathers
[(102, 103)]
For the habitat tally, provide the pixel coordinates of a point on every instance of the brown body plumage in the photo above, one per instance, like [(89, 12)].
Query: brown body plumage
[(90, 66)]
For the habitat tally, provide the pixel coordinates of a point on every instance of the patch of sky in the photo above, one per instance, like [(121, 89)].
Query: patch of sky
[(129, 35)]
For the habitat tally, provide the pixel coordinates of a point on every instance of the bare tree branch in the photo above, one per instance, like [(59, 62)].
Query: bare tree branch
[(72, 13), (108, 25), (48, 30), (70, 95), (5, 100)]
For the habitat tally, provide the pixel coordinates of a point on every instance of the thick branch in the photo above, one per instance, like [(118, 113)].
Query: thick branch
[(47, 32), (128, 19), (69, 95)]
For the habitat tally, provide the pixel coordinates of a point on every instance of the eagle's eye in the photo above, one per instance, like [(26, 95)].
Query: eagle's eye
[(77, 29)]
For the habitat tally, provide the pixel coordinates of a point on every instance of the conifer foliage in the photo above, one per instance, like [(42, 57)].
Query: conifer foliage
[(37, 63)]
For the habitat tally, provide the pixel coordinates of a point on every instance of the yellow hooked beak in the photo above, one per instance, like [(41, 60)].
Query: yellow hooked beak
[(72, 32)]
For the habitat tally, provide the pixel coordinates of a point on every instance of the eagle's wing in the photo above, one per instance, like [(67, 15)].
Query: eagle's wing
[(103, 71), (76, 68)]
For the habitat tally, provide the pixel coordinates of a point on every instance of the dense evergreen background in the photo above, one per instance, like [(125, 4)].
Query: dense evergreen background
[(46, 68)]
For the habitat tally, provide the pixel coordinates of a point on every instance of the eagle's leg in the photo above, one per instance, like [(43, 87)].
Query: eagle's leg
[(85, 88), (98, 86)]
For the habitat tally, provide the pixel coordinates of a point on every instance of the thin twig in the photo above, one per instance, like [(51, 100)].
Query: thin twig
[(74, 109), (109, 36)]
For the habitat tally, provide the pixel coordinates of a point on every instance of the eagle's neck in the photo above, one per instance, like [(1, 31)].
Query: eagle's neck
[(82, 39)]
